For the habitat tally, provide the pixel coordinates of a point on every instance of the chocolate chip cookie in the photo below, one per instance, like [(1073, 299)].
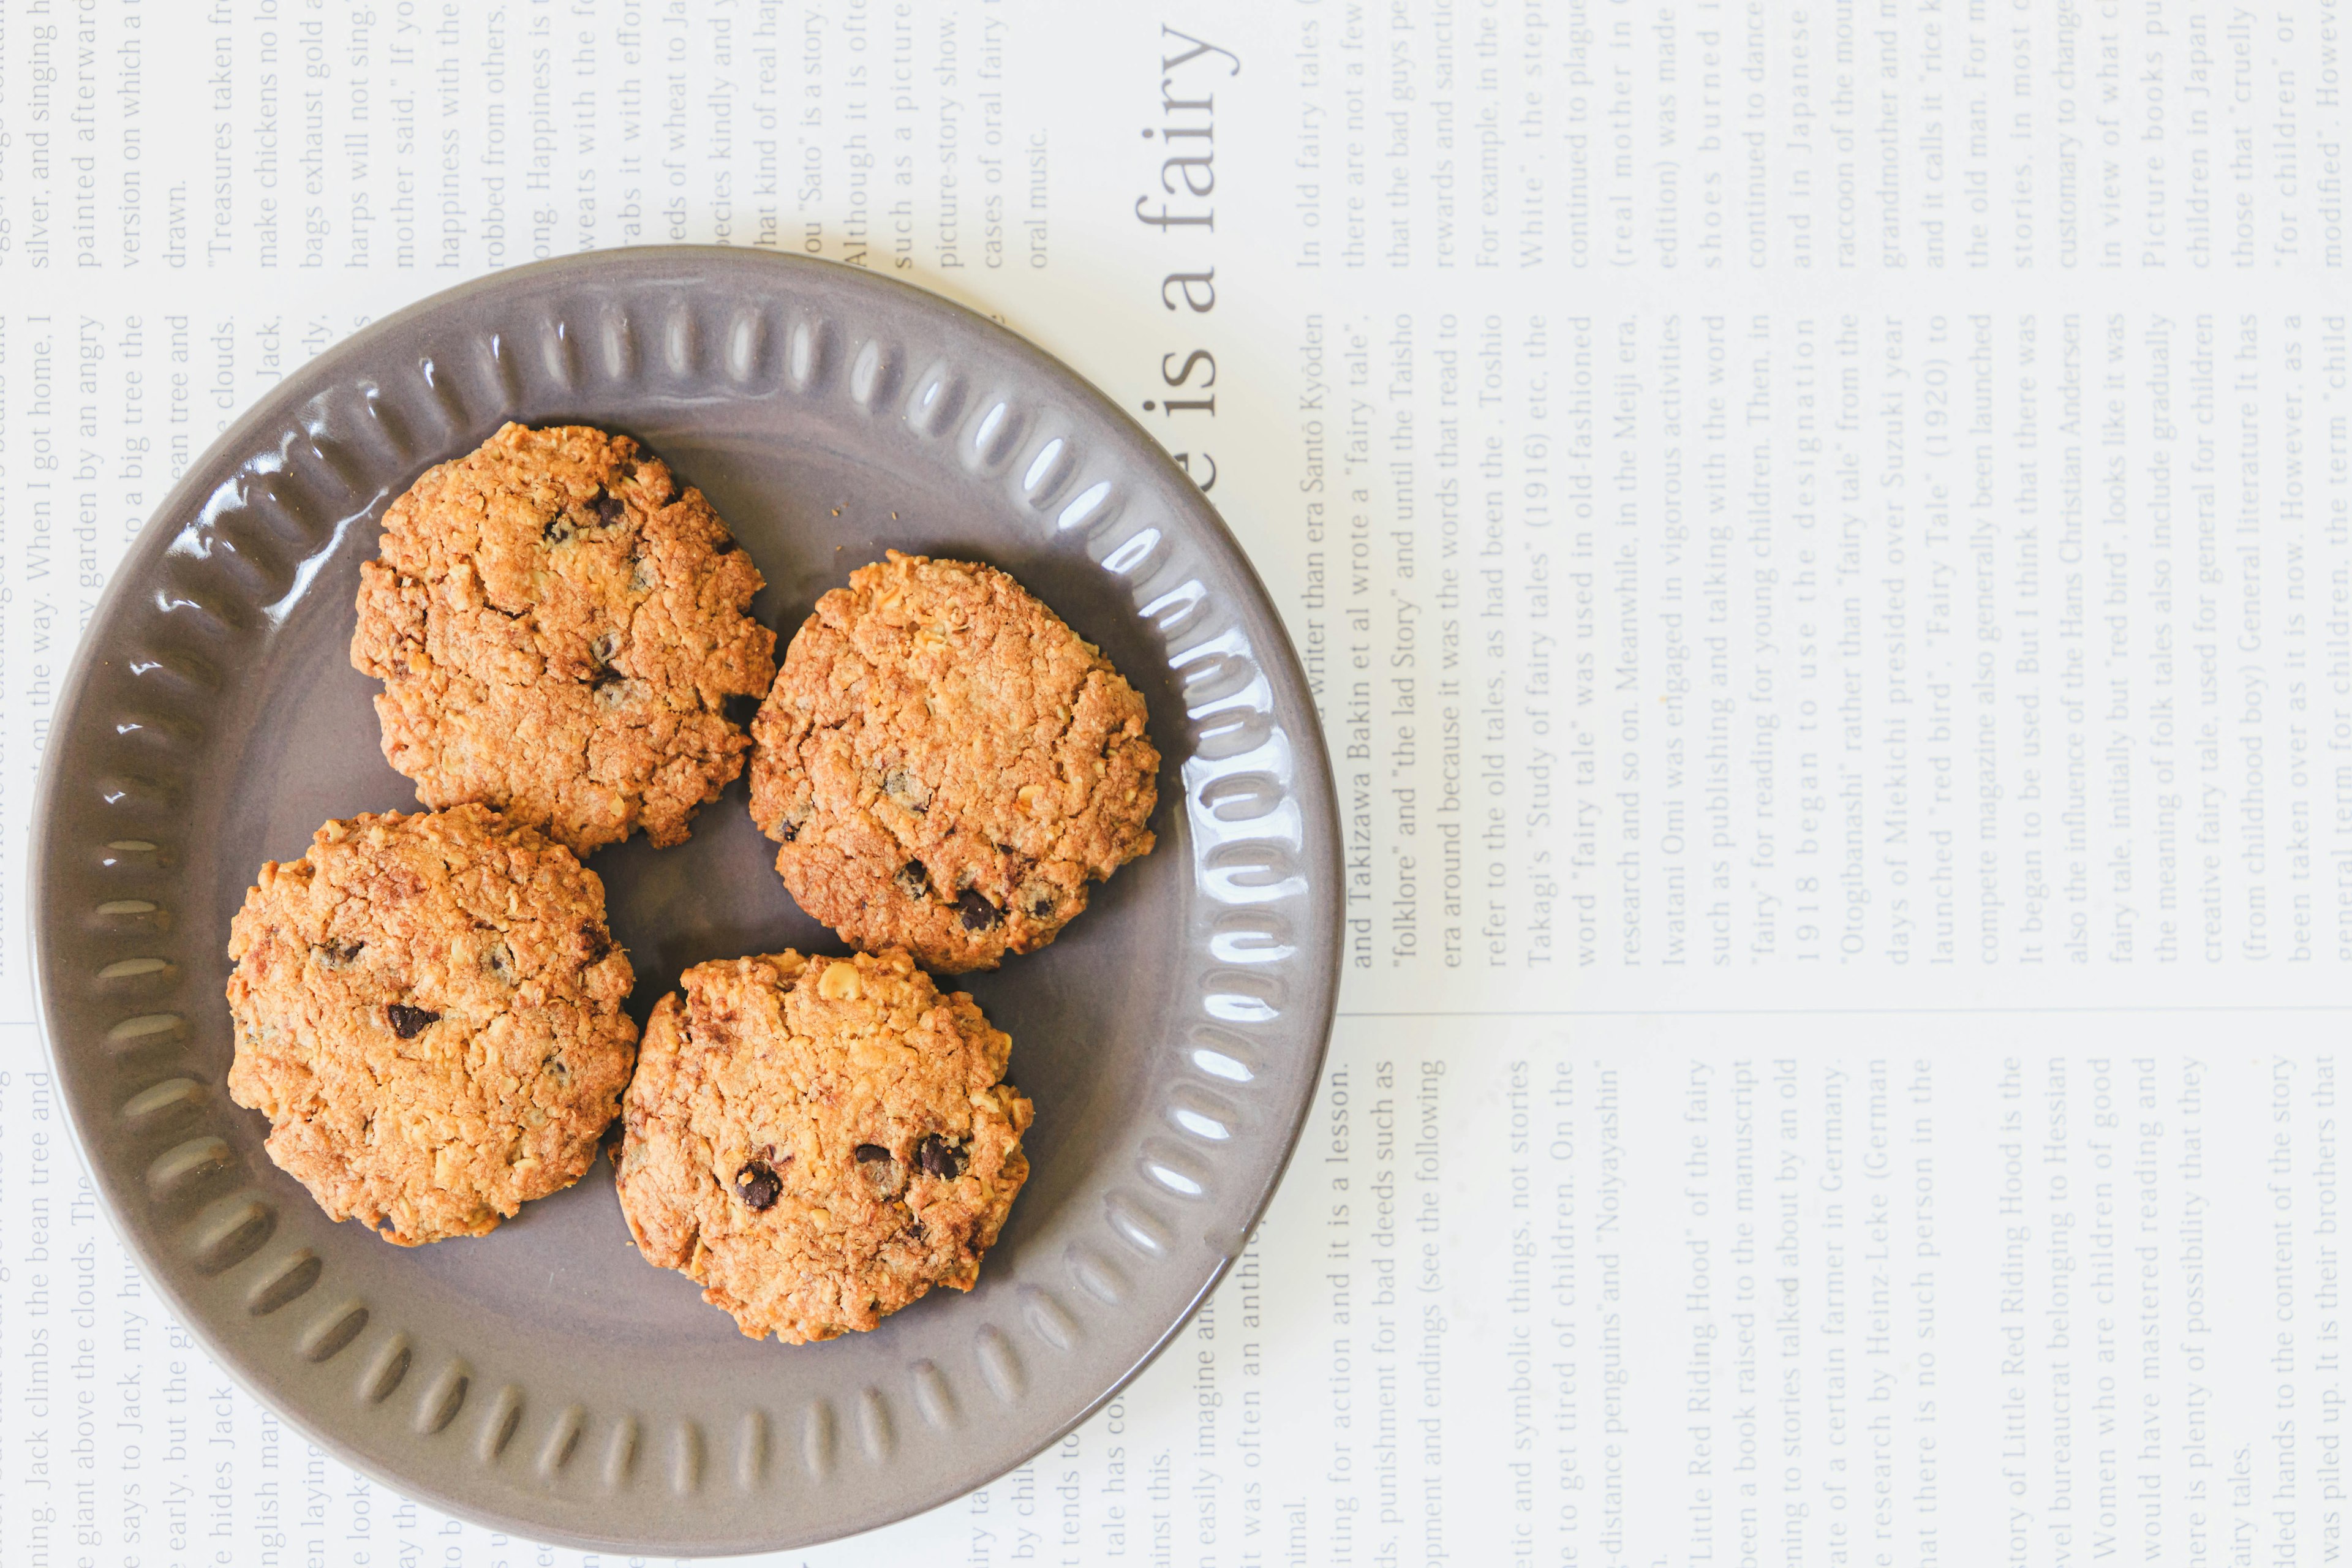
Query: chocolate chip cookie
[(428, 1010), (818, 1142), (558, 625), (946, 764)]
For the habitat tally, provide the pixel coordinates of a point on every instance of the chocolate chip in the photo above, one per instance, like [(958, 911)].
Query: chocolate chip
[(596, 940), (499, 959), (607, 507), (939, 1157), (978, 913), (1042, 908), (915, 880), (409, 1022), (338, 954), (907, 790), (758, 1185), (869, 1153), (558, 529)]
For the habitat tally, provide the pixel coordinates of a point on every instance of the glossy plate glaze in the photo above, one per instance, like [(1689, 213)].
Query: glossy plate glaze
[(545, 1379)]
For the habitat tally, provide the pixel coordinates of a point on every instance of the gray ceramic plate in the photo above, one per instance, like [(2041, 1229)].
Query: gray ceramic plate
[(545, 1379)]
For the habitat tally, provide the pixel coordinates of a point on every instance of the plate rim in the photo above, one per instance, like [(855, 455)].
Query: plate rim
[(1280, 662)]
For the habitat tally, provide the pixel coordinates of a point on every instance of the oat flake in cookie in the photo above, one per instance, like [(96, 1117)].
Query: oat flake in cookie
[(428, 1010), (946, 764), (557, 626), (818, 1142)]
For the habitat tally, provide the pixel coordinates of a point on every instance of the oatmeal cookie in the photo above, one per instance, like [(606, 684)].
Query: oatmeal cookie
[(557, 626), (818, 1142), (428, 1010), (946, 764)]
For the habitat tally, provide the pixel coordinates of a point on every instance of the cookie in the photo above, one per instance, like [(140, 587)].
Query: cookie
[(818, 1142), (428, 1010), (946, 764), (557, 626)]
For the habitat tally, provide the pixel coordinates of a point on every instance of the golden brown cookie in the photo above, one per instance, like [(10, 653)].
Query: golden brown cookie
[(818, 1142), (946, 764), (428, 1010), (558, 626)]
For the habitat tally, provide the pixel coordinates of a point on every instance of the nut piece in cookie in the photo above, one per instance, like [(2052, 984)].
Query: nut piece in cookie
[(946, 764), (557, 626), (428, 1010), (818, 1142)]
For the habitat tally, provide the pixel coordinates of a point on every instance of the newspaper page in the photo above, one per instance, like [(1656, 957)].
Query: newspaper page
[(1821, 535)]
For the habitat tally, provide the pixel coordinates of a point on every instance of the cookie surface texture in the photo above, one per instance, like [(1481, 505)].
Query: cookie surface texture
[(818, 1142), (946, 764), (557, 626), (428, 1010)]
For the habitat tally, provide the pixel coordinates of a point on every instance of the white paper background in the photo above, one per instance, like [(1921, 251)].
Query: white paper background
[(1825, 539)]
